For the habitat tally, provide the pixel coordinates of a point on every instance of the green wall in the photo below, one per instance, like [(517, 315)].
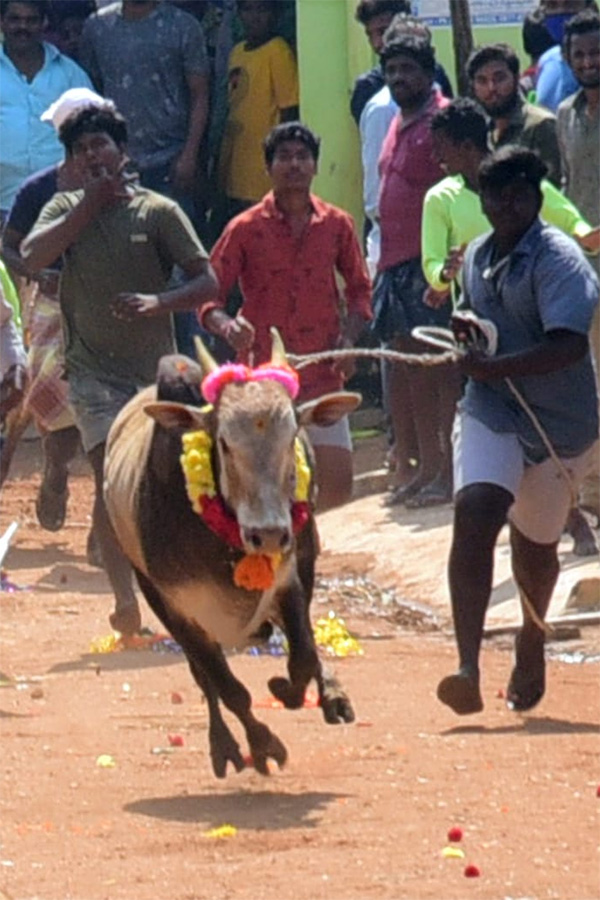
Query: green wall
[(332, 51)]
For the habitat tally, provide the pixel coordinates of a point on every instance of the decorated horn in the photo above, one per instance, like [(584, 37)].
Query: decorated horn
[(278, 357), (206, 361)]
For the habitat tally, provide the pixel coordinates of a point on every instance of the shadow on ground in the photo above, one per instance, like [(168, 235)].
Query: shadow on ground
[(261, 811)]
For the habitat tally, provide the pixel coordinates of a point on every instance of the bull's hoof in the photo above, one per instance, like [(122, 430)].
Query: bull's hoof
[(292, 696), (336, 707), (264, 745), (224, 749)]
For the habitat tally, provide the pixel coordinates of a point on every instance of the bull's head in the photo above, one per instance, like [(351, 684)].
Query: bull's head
[(254, 425)]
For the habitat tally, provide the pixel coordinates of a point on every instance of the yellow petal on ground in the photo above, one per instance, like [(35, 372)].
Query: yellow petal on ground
[(223, 831), (453, 853)]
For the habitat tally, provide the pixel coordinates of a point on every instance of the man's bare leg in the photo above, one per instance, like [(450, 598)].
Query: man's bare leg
[(126, 618), (479, 513), (535, 569), (334, 476)]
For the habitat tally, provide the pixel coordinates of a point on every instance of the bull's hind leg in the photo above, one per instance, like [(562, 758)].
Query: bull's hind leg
[(304, 664), (216, 680)]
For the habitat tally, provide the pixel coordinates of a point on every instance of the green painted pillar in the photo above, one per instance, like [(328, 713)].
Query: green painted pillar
[(332, 49)]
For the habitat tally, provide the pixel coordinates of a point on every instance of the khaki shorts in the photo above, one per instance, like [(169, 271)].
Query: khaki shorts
[(542, 494)]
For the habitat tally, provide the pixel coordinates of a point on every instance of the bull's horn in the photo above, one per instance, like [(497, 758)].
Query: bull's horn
[(278, 357), (204, 358)]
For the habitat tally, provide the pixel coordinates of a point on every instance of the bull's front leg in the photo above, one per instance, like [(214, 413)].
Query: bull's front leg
[(304, 663), (217, 682), (263, 744)]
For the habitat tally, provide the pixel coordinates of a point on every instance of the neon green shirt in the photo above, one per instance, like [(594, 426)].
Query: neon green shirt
[(10, 293), (452, 216)]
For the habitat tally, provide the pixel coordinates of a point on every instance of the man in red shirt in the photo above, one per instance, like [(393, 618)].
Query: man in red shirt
[(285, 252), (420, 401)]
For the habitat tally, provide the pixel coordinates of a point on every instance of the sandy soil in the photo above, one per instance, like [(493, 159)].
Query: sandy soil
[(361, 811)]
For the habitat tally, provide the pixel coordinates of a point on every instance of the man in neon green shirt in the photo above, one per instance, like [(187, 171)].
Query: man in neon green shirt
[(452, 214), (452, 217)]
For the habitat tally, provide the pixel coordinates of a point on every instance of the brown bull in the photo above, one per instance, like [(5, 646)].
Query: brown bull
[(188, 560)]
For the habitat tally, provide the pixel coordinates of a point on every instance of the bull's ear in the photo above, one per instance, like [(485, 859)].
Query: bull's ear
[(328, 409), (177, 416)]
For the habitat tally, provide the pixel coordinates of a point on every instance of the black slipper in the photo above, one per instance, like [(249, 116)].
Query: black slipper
[(430, 495), (401, 494)]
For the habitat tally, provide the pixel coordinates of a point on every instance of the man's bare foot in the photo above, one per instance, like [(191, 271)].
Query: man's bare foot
[(126, 620), (580, 530), (461, 692)]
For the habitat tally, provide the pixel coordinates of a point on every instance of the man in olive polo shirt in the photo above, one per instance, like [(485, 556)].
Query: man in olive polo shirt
[(119, 243)]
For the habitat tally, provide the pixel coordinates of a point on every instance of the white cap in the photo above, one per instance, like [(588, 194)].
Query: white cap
[(71, 101)]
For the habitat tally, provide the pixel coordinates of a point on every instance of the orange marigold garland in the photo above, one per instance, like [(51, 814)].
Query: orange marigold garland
[(254, 572)]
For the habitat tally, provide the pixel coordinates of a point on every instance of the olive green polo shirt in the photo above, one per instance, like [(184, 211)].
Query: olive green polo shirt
[(534, 128), (131, 247)]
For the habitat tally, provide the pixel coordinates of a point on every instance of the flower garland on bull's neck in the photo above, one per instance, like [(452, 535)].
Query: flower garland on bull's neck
[(253, 571)]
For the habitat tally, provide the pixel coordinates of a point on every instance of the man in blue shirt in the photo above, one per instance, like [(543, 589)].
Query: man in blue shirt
[(537, 291), (33, 75), (555, 80)]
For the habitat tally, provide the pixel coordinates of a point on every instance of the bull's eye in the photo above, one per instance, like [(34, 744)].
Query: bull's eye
[(224, 446)]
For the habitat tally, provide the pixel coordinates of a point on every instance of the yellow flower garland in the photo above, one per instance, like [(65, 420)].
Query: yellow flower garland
[(197, 467), (199, 479)]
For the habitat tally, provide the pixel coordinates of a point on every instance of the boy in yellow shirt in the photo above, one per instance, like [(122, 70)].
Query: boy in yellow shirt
[(263, 91)]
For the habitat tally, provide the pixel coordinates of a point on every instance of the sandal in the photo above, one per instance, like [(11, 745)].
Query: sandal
[(430, 495), (51, 507), (401, 494)]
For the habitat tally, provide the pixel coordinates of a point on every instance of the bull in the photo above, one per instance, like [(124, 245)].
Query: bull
[(213, 506)]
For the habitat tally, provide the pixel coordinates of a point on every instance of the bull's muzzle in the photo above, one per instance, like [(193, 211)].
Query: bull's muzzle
[(266, 540)]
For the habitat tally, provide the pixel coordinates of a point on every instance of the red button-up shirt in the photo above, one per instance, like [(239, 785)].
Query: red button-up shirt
[(291, 283), (407, 171)]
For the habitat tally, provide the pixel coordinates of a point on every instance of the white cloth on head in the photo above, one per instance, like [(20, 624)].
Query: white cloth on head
[(71, 101)]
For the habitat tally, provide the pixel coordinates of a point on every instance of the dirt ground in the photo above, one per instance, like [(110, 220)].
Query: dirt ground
[(361, 811)]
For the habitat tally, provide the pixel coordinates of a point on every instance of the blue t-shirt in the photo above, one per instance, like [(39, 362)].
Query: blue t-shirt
[(544, 284), (555, 80)]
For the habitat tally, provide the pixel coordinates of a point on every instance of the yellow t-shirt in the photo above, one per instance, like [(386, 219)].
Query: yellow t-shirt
[(262, 82)]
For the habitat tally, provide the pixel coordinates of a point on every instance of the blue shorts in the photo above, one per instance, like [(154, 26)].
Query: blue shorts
[(96, 405)]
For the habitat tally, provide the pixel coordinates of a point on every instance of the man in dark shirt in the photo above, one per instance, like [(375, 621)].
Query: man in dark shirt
[(493, 72), (376, 17)]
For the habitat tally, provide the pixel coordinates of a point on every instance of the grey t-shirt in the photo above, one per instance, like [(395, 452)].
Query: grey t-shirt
[(131, 247), (543, 285), (142, 66)]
